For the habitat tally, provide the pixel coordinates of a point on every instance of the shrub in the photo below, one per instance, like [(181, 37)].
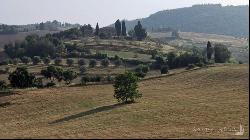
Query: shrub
[(70, 62), (3, 85), (83, 69), (26, 60), (240, 62), (221, 54), (36, 60), (141, 70), (125, 87), (105, 62), (84, 80), (92, 63), (58, 61), (118, 62), (164, 69), (69, 75), (50, 84), (21, 78), (81, 62), (190, 66), (46, 60), (16, 61)]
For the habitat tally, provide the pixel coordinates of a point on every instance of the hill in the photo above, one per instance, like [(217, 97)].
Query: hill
[(215, 19), (205, 103), (239, 47)]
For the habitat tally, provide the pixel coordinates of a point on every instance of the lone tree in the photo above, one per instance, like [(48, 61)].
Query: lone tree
[(140, 32), (124, 30), (21, 78), (125, 88), (97, 29), (210, 50), (118, 27), (92, 63), (105, 62), (221, 54)]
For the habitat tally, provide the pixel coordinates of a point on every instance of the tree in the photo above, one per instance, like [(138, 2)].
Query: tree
[(69, 75), (36, 60), (83, 69), (16, 61), (210, 50), (21, 78), (105, 62), (26, 60), (140, 33), (70, 62), (46, 60), (92, 63), (131, 33), (81, 62), (52, 73), (125, 87), (124, 30), (171, 57), (221, 54), (118, 27), (97, 29), (58, 61), (141, 70)]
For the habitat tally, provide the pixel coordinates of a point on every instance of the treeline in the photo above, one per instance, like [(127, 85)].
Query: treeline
[(48, 25)]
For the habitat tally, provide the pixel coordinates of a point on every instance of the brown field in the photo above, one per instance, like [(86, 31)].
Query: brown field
[(215, 99)]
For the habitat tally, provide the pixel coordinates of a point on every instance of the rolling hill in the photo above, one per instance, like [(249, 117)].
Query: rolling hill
[(213, 19), (178, 106)]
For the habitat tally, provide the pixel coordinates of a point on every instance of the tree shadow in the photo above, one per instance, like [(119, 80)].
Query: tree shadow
[(5, 104), (89, 112)]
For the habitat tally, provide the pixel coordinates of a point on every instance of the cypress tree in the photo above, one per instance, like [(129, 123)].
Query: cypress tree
[(97, 30), (118, 27), (124, 30)]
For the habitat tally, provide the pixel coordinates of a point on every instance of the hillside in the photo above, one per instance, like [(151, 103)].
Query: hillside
[(239, 47), (215, 19), (175, 107)]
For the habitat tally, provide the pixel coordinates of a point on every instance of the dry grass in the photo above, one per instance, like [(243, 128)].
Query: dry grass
[(171, 107)]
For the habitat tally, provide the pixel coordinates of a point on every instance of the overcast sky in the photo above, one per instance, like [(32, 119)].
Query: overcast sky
[(91, 11)]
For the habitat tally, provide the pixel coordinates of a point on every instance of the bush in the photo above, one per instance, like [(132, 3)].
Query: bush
[(141, 70), (81, 62), (26, 60), (164, 69), (58, 61), (16, 61), (200, 64), (69, 75), (3, 85), (92, 63), (221, 54), (84, 80), (190, 66), (118, 62), (50, 84), (125, 87), (21, 78), (46, 60), (70, 62), (240, 62), (36, 60), (105, 62), (83, 69)]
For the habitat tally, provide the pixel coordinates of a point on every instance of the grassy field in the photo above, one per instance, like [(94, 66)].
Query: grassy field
[(176, 106)]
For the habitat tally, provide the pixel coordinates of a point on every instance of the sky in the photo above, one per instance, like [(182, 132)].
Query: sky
[(105, 12)]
